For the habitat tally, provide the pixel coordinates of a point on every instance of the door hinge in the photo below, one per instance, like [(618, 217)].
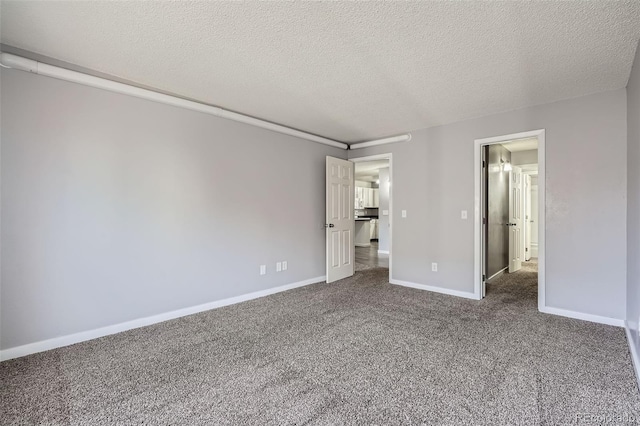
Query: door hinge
[(484, 220), (484, 278), (483, 164)]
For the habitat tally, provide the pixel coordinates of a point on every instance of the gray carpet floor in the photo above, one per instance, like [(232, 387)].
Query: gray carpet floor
[(358, 351)]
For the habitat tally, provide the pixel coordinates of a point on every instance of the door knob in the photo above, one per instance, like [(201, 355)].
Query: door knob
[(329, 225)]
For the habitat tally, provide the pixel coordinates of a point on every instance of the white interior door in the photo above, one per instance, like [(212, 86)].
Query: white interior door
[(340, 222), (527, 217), (534, 220), (516, 221), (484, 196)]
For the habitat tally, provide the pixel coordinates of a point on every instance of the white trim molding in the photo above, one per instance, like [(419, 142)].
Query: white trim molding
[(634, 352), (442, 290), (582, 316), (83, 336), (477, 235), (383, 251)]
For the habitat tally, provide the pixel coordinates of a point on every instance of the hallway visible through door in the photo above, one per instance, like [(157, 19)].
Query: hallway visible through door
[(372, 212), (509, 199)]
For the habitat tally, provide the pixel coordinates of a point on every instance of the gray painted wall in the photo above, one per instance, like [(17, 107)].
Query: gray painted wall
[(497, 250), (633, 201), (116, 208), (585, 211), (383, 221)]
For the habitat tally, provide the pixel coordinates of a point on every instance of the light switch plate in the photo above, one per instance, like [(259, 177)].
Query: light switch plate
[(463, 214), (404, 213), (385, 212)]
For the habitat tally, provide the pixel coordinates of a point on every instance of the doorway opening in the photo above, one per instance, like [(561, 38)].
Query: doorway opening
[(510, 194), (372, 212)]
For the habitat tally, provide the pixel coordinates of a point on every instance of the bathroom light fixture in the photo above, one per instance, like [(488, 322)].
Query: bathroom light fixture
[(506, 166)]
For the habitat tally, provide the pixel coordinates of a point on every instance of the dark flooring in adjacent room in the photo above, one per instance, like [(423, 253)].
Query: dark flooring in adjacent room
[(369, 257), (358, 351)]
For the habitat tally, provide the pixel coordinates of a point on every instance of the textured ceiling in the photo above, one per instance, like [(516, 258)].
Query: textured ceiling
[(350, 71)]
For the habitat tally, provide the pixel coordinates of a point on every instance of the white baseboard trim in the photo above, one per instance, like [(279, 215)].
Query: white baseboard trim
[(383, 251), (581, 316), (634, 353), (442, 290), (83, 336), (362, 245), (497, 273)]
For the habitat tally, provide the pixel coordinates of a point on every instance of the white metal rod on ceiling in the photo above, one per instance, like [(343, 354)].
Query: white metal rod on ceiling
[(401, 138), (40, 68)]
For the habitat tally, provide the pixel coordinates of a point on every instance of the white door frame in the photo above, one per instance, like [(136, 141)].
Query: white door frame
[(387, 156), (478, 240)]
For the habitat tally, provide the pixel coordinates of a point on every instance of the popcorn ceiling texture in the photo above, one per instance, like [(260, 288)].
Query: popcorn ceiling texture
[(345, 70)]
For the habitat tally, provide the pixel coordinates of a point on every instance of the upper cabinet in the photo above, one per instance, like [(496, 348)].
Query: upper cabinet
[(366, 197)]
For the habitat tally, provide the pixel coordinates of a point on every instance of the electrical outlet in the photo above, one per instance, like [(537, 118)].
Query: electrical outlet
[(263, 269), (434, 267), (404, 213), (463, 214), (278, 266), (284, 265)]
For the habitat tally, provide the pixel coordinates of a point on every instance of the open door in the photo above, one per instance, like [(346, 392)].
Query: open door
[(527, 217), (340, 222), (516, 207)]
